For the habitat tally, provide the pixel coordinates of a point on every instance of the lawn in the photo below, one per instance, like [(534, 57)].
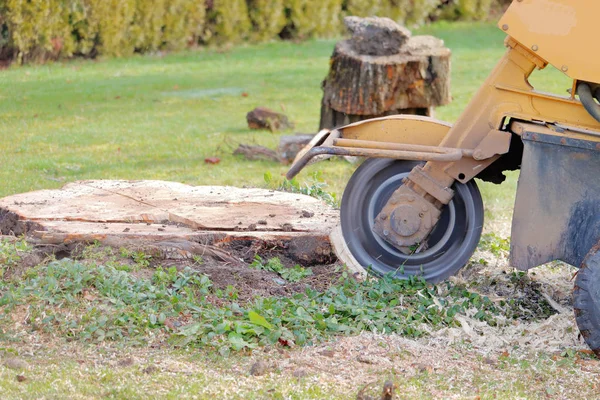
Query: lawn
[(158, 117)]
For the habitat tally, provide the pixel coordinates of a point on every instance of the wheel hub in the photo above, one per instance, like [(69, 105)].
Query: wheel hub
[(406, 220)]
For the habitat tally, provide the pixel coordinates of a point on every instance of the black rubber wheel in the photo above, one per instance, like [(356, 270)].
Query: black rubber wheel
[(586, 300), (450, 244)]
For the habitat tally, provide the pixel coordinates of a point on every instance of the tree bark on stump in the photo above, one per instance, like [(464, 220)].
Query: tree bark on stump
[(412, 81)]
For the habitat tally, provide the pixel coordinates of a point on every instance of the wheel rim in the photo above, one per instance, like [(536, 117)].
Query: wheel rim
[(450, 245)]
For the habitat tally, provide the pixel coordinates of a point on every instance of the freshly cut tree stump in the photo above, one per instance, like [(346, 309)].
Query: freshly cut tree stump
[(173, 219), (371, 77)]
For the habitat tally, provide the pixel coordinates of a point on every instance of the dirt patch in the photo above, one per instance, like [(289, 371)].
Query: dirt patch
[(11, 225), (252, 283), (237, 275)]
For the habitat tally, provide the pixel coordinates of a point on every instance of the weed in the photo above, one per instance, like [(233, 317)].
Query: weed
[(92, 302), (493, 243), (10, 254), (294, 274), (385, 305), (198, 260), (141, 259), (96, 302)]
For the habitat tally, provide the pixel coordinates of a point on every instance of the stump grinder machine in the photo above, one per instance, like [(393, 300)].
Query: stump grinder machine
[(413, 207)]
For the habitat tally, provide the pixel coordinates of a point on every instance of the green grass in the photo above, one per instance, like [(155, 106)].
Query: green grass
[(90, 302), (158, 117), (152, 117)]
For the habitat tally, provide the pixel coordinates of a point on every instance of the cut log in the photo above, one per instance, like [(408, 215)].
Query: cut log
[(331, 118), (256, 153), (173, 219), (264, 118), (411, 79), (290, 146)]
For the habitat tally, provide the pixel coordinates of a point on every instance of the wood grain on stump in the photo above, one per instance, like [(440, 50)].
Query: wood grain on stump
[(182, 216)]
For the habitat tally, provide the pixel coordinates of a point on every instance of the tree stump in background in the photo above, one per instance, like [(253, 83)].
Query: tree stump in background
[(382, 71)]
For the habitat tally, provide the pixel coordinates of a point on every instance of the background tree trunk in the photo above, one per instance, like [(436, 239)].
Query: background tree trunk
[(412, 81)]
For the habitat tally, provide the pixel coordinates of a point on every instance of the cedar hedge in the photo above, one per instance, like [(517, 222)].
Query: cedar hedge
[(37, 30)]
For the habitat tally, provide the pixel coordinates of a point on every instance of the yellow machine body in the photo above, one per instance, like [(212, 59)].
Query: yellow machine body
[(507, 125), (562, 32)]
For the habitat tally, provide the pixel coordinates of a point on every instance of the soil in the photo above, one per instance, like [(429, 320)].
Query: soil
[(248, 282), (251, 283)]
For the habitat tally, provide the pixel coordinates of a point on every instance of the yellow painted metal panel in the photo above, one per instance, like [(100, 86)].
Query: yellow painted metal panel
[(562, 32), (406, 129)]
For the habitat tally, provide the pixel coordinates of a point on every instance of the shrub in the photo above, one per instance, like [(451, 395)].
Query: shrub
[(405, 12), (310, 18), (84, 30), (113, 20), (42, 29), (147, 27), (229, 20), (470, 9), (184, 23), (474, 9), (60, 28), (268, 18), (419, 10), (367, 8), (38, 29)]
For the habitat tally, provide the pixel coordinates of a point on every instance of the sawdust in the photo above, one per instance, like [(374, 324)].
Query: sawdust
[(422, 368), (539, 292), (552, 335)]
